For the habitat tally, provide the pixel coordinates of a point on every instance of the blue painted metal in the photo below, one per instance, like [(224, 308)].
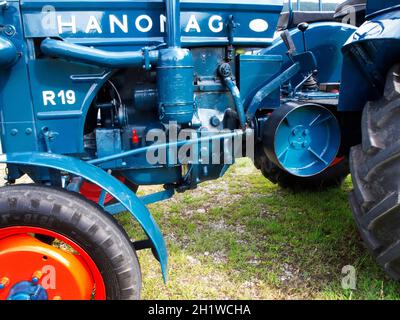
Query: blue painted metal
[(27, 290), (3, 4), (161, 146), (108, 183), (148, 199), (15, 80), (8, 53), (304, 140), (368, 56), (303, 64), (375, 7), (270, 87), (157, 197), (97, 57), (173, 12), (175, 85), (102, 198), (254, 72), (326, 48), (238, 100), (201, 21), (108, 141), (291, 12), (311, 95)]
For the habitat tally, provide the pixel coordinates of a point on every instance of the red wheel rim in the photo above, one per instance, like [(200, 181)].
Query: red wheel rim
[(17, 234)]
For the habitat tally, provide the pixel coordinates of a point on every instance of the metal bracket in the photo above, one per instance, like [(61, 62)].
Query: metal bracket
[(117, 208), (147, 65), (48, 137), (231, 26), (271, 87)]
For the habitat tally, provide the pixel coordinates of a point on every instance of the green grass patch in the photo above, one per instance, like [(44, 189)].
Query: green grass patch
[(241, 237)]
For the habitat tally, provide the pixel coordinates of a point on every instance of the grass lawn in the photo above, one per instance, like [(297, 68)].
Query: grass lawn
[(241, 237)]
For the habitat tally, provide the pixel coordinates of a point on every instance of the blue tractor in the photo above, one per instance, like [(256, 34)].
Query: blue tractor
[(100, 97)]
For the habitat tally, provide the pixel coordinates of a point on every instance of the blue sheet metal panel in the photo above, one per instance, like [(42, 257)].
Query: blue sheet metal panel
[(325, 40), (202, 22), (254, 72), (16, 117), (377, 5), (153, 176), (108, 183), (385, 26), (62, 92), (379, 41), (262, 95), (108, 142)]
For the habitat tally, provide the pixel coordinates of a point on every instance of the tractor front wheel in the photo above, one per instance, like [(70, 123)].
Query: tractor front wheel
[(91, 256), (375, 170)]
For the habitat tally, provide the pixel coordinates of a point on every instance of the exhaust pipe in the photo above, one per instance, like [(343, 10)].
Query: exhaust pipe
[(173, 13)]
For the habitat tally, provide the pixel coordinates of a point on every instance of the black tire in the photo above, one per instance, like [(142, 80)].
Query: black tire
[(331, 177), (375, 169), (82, 221)]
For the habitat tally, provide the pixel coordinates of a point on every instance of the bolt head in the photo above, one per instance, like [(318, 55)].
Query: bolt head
[(9, 30), (4, 282), (225, 70), (37, 275), (214, 121)]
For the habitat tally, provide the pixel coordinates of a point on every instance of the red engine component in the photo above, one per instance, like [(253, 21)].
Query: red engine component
[(92, 192)]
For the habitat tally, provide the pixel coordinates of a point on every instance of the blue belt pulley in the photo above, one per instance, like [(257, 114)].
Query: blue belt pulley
[(302, 139)]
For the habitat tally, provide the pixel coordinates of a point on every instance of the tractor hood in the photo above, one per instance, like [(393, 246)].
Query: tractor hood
[(374, 6), (141, 22)]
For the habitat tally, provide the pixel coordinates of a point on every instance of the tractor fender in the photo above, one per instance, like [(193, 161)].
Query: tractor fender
[(325, 40), (108, 183), (367, 57)]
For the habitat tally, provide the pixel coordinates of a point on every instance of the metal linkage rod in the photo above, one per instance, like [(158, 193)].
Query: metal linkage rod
[(177, 144)]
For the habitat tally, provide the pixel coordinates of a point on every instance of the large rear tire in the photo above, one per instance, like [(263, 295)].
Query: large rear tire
[(79, 223), (332, 177), (375, 169)]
